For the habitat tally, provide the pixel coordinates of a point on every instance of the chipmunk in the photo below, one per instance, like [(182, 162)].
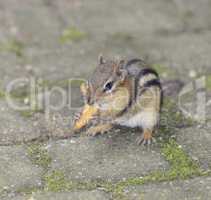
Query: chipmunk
[(126, 93)]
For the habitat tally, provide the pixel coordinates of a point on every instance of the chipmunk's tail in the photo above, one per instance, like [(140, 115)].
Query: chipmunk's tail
[(172, 88)]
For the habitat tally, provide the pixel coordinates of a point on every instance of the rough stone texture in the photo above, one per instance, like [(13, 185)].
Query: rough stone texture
[(13, 127), (175, 34), (112, 157), (11, 69), (16, 170), (82, 195), (196, 142), (193, 189), (54, 122)]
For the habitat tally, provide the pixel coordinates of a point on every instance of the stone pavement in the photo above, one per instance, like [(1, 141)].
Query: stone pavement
[(54, 41)]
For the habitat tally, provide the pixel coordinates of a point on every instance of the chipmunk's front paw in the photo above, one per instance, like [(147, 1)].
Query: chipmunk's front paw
[(145, 139), (100, 129)]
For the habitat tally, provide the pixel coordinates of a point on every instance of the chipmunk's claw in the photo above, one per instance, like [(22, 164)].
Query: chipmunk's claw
[(141, 141), (76, 117), (145, 139)]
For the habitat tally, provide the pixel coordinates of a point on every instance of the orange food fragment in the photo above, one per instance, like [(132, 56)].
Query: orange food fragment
[(86, 116)]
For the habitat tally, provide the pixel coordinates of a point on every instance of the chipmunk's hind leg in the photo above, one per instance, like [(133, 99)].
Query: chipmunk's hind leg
[(146, 137)]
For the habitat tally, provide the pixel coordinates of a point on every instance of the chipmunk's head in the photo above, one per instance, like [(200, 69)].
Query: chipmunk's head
[(107, 86)]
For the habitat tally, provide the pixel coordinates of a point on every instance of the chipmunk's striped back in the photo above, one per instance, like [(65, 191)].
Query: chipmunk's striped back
[(145, 77), (146, 99)]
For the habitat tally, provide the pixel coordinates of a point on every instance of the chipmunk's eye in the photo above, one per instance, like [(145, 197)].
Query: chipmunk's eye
[(108, 86)]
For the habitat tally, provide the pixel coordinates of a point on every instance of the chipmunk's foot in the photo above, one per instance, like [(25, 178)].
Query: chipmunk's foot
[(99, 129), (145, 139)]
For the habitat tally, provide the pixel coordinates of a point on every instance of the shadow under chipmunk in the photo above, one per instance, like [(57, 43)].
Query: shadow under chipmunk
[(140, 107)]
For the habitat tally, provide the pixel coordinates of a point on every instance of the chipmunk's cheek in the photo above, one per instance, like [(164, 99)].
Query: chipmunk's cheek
[(103, 106)]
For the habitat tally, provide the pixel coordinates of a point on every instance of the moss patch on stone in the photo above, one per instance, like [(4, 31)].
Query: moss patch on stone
[(2, 94), (171, 120), (163, 70), (56, 181), (13, 46), (72, 34), (30, 112), (39, 155), (182, 166), (20, 92), (27, 190), (208, 82)]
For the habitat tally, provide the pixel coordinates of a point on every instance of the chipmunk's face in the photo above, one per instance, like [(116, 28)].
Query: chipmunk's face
[(107, 88)]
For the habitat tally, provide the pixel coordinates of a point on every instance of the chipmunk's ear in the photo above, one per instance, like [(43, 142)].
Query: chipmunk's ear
[(101, 60), (118, 65), (123, 74), (120, 69), (121, 64)]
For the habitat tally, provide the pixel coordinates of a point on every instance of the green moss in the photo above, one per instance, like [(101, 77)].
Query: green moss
[(55, 182), (171, 121), (13, 46), (30, 112), (182, 166), (26, 113), (39, 156), (163, 70), (171, 111), (208, 82), (20, 92), (72, 34), (2, 94), (28, 190)]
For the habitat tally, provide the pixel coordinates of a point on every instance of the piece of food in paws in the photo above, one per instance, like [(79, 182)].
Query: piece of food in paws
[(85, 117)]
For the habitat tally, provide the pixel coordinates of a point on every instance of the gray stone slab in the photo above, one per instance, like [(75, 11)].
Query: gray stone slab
[(78, 195), (16, 170), (196, 142), (193, 189), (111, 157), (11, 68), (183, 52), (175, 34), (63, 63), (15, 128), (32, 22), (145, 16)]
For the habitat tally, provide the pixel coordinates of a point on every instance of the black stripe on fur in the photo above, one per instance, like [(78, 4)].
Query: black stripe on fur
[(151, 83), (133, 61), (147, 71)]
